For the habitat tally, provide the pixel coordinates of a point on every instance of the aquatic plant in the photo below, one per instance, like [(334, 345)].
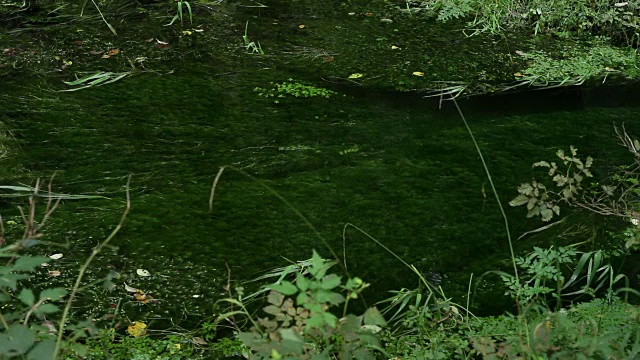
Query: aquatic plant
[(97, 79), (251, 47), (179, 5), (295, 89)]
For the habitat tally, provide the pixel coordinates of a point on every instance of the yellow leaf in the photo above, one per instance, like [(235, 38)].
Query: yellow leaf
[(393, 47), (355, 76), (418, 73), (518, 74), (187, 32), (137, 329), (301, 26), (609, 69)]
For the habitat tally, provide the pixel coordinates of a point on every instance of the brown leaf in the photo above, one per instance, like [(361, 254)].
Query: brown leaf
[(96, 52)]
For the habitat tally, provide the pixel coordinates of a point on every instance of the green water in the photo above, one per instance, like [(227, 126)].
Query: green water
[(392, 164)]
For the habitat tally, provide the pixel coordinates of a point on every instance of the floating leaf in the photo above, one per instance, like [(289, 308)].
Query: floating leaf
[(137, 329), (130, 289), (143, 272)]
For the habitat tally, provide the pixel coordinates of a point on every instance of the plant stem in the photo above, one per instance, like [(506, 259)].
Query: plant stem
[(495, 193), (83, 269)]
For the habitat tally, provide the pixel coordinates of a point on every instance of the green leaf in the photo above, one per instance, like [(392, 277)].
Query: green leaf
[(285, 287), (11, 280), (43, 350), (29, 263), (315, 321), (53, 294), (302, 282), (27, 297), (330, 319), (373, 317), (16, 341), (292, 343), (330, 282), (45, 309)]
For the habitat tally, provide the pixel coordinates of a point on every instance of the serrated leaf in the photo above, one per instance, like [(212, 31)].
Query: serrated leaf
[(53, 294), (285, 287), (292, 343), (373, 317), (330, 282), (275, 298), (531, 203), (330, 319), (29, 263), (16, 341), (546, 214), (27, 297), (43, 350), (519, 200), (541, 164), (272, 309), (302, 282), (45, 309)]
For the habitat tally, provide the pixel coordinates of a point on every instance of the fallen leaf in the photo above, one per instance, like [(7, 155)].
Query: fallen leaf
[(137, 329), (78, 42), (143, 272), (130, 289), (187, 32), (149, 40), (44, 264), (520, 52), (143, 298), (301, 26), (96, 52), (355, 76), (327, 59), (368, 14), (393, 47), (195, 296), (162, 42), (113, 52), (198, 341), (518, 74), (417, 73), (351, 13), (54, 273), (56, 256)]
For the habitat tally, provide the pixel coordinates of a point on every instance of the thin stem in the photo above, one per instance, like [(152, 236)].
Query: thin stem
[(83, 269), (495, 193)]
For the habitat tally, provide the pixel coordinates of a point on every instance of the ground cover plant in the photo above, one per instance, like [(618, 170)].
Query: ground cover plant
[(568, 301)]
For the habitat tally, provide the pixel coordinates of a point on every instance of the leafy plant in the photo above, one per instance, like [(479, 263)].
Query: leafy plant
[(295, 89), (567, 175), (179, 6), (252, 47), (300, 324), (98, 79)]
